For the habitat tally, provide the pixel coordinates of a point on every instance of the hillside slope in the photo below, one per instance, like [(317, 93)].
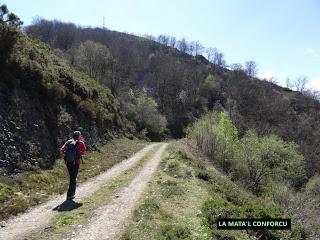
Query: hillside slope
[(187, 195), (43, 99), (187, 86)]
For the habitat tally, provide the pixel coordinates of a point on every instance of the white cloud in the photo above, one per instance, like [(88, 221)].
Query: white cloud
[(314, 83), (310, 51)]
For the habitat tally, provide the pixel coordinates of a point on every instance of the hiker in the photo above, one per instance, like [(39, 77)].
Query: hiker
[(73, 150)]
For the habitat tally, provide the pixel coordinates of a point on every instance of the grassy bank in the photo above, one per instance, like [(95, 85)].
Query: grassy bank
[(187, 195), (20, 192)]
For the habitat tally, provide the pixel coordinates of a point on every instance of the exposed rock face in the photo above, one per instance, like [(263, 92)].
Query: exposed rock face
[(42, 101)]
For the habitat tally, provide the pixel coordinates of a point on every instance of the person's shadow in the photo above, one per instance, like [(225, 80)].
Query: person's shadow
[(67, 205)]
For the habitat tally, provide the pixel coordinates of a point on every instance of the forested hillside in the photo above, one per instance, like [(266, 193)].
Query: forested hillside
[(185, 84), (43, 99), (226, 144)]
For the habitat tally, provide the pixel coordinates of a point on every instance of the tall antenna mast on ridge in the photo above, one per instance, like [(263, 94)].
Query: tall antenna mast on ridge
[(103, 23)]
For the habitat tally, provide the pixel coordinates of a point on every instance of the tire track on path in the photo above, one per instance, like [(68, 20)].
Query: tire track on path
[(40, 216), (108, 221)]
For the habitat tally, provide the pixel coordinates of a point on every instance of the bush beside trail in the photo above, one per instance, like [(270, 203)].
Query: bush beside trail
[(268, 166), (257, 162)]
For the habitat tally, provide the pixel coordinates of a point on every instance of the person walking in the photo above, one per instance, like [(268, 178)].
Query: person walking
[(73, 151)]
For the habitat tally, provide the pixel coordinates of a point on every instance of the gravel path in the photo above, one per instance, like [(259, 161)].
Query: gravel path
[(40, 216), (109, 220)]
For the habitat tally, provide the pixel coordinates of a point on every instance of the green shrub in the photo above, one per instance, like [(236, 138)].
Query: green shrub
[(43, 180), (176, 168), (204, 175), (75, 99), (175, 232), (281, 194), (219, 207), (171, 188), (5, 192), (143, 110), (26, 166), (259, 161), (173, 165), (64, 118), (149, 207), (87, 106), (313, 187), (17, 205), (216, 135), (57, 92), (254, 161), (261, 209)]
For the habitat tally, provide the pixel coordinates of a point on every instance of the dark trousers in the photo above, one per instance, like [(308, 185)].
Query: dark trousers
[(73, 172)]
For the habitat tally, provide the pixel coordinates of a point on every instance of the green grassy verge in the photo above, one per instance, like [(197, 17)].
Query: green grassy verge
[(186, 196), (170, 207), (63, 225), (20, 192)]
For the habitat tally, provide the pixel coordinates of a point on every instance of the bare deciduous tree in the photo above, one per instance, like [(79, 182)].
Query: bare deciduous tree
[(251, 68), (300, 83), (150, 37), (236, 67), (197, 48), (183, 46), (314, 94), (163, 39), (172, 42), (215, 57), (219, 59), (210, 52), (288, 83), (93, 58), (191, 48)]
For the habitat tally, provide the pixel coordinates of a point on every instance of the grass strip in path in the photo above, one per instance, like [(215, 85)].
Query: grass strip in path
[(64, 225), (41, 215), (109, 220), (20, 192), (170, 207)]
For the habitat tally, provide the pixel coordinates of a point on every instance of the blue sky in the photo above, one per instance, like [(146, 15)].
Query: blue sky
[(282, 36)]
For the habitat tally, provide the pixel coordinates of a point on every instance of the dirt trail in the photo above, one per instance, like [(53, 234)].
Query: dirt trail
[(108, 221), (40, 216)]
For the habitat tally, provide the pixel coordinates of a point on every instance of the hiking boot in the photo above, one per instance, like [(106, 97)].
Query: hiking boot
[(71, 197)]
